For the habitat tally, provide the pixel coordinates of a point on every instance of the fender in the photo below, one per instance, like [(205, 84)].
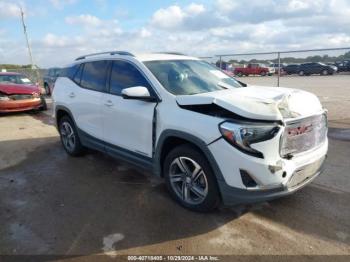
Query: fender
[(64, 108), (157, 165)]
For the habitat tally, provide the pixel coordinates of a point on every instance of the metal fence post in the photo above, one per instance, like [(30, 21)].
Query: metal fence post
[(220, 62), (279, 69)]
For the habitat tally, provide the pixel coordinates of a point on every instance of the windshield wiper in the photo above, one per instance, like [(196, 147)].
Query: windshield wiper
[(224, 85)]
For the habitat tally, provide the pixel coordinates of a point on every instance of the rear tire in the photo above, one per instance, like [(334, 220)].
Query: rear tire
[(69, 137), (301, 73), (190, 179)]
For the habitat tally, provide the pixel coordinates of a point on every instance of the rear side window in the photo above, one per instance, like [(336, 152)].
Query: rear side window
[(94, 75), (124, 75)]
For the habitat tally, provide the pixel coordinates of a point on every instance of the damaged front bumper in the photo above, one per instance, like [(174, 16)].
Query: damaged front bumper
[(271, 182)]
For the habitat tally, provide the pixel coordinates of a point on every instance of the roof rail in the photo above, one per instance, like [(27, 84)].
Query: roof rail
[(104, 53), (170, 53)]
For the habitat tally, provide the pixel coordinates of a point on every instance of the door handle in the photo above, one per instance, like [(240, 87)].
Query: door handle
[(72, 94), (109, 103)]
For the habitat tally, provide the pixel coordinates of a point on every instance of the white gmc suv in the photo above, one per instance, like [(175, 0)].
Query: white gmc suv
[(213, 139)]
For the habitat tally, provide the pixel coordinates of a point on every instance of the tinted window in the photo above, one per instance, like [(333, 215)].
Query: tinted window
[(125, 75), (77, 75), (69, 71), (94, 75)]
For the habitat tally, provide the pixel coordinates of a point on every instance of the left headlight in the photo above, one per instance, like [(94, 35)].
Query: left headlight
[(242, 135), (4, 97)]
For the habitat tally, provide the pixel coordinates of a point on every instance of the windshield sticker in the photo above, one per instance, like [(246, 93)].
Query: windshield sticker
[(219, 74), (25, 80)]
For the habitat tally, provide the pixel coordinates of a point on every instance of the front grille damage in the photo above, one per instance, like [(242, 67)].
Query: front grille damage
[(303, 135)]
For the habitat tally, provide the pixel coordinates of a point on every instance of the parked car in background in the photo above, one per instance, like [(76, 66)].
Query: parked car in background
[(229, 72), (291, 69), (316, 68), (210, 137), (252, 69), (272, 70), (50, 78), (343, 66), (18, 93), (276, 66)]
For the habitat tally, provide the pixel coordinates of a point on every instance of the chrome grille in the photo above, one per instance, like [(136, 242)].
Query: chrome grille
[(303, 135)]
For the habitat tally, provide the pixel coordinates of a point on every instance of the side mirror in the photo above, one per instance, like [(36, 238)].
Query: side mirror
[(138, 93)]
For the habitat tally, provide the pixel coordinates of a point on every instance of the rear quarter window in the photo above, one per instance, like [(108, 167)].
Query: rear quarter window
[(69, 72)]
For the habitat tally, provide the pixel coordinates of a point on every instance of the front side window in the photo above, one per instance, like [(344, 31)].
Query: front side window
[(187, 77), (94, 75), (125, 75)]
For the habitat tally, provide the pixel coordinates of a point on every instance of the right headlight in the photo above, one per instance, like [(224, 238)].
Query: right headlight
[(243, 134)]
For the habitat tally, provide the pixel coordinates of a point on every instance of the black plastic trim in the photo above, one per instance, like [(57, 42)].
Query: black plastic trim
[(131, 157)]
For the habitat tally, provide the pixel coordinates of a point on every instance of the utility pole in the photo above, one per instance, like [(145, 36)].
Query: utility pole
[(28, 46), (26, 36)]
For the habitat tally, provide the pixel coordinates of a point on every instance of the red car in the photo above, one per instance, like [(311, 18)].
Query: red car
[(18, 93), (252, 69)]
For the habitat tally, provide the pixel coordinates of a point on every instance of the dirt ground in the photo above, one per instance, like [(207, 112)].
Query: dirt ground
[(53, 204)]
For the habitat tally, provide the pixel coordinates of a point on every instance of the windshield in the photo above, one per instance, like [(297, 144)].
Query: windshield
[(188, 77), (15, 79)]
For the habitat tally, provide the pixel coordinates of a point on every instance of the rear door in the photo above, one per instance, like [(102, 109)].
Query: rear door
[(127, 123), (86, 101)]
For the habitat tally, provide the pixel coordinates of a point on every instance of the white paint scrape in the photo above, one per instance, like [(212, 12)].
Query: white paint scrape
[(109, 244)]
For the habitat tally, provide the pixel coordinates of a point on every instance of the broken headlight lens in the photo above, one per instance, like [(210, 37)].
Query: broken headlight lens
[(243, 135)]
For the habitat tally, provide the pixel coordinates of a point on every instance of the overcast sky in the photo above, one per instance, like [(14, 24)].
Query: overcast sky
[(61, 30)]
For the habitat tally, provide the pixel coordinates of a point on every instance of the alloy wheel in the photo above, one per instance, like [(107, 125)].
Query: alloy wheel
[(68, 136), (188, 180)]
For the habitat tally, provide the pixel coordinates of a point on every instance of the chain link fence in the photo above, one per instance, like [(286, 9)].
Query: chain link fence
[(279, 68)]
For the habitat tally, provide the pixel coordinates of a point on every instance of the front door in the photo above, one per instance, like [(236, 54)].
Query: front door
[(127, 123)]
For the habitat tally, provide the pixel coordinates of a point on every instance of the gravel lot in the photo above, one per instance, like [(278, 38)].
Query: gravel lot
[(53, 204)]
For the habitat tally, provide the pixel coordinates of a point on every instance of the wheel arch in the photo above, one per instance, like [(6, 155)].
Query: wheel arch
[(172, 138), (61, 111)]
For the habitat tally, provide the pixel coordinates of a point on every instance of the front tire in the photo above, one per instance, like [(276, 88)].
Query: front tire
[(324, 72), (43, 106), (69, 137), (301, 73), (190, 179), (47, 89)]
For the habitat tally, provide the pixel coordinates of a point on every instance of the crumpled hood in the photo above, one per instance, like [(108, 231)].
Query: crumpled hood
[(10, 89), (259, 102)]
